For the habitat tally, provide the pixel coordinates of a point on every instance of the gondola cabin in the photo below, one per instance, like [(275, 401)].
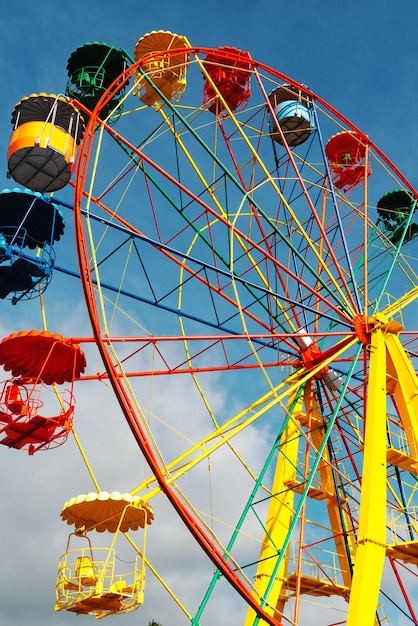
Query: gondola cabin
[(93, 580), (346, 153), (394, 210), (291, 121), (22, 424), (30, 224), (42, 149), (162, 71), (92, 69), (226, 80), (33, 415)]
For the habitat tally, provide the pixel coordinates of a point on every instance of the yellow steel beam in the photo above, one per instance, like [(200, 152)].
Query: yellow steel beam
[(371, 548), (396, 307), (279, 515), (405, 390)]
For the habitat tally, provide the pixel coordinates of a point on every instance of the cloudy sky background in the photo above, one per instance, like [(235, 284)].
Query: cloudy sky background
[(359, 56)]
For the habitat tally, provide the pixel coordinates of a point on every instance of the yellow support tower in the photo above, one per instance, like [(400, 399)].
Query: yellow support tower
[(360, 553), (279, 516), (304, 433), (371, 548)]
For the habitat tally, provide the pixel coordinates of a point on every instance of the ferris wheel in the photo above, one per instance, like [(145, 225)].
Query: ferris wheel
[(247, 258)]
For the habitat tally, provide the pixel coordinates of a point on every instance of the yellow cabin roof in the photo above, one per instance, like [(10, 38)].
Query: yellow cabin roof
[(105, 511)]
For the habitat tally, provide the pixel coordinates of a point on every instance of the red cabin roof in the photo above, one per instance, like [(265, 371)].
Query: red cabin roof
[(42, 356)]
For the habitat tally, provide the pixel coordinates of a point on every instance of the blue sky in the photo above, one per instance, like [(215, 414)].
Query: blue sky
[(359, 56)]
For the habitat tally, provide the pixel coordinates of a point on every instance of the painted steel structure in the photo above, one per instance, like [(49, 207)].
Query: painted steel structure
[(259, 269)]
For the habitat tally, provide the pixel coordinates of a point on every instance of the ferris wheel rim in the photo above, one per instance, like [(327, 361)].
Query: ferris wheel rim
[(141, 438)]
